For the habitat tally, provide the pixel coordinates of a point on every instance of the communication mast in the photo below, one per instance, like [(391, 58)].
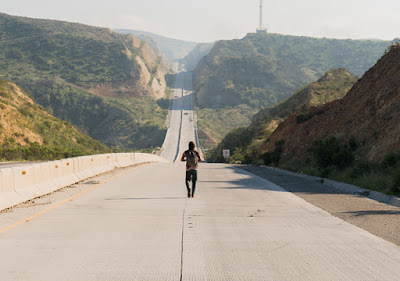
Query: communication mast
[(261, 28)]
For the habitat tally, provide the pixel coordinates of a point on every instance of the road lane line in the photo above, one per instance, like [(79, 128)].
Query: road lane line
[(64, 201)]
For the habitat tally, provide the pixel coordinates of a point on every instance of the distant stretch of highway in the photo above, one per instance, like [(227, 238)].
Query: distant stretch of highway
[(181, 119), (138, 224)]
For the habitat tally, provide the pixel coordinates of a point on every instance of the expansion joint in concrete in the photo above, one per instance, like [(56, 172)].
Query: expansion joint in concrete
[(182, 239)]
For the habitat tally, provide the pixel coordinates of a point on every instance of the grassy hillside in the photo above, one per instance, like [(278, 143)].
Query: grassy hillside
[(28, 131), (134, 122), (320, 55), (105, 83), (214, 124), (245, 143), (73, 52), (262, 70)]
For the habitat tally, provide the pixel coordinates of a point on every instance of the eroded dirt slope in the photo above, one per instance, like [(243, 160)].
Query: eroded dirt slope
[(369, 113)]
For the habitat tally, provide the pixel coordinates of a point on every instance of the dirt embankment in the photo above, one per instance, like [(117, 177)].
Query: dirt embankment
[(368, 113)]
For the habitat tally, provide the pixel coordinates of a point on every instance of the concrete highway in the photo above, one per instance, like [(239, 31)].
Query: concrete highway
[(171, 146), (181, 119), (140, 226)]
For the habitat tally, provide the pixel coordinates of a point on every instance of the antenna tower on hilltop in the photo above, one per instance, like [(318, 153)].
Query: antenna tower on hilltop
[(261, 28)]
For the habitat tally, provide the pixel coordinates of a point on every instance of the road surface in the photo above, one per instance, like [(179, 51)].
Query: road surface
[(181, 119), (140, 226)]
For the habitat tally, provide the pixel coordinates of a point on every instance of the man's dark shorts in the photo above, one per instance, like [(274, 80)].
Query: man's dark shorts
[(192, 174)]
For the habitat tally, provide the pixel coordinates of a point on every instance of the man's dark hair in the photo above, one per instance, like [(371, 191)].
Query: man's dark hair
[(191, 145)]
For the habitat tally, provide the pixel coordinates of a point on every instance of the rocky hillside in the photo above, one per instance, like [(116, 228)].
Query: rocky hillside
[(262, 70), (105, 83), (173, 48), (28, 131), (244, 143), (367, 117)]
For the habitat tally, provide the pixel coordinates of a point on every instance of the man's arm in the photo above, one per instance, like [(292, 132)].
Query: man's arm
[(183, 157), (198, 156)]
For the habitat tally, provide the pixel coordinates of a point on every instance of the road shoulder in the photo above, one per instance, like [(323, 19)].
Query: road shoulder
[(380, 219), (11, 217)]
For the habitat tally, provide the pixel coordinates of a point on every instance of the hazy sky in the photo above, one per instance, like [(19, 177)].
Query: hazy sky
[(210, 20)]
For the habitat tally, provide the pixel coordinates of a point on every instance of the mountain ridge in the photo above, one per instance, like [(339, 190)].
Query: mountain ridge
[(367, 114), (245, 143), (259, 71), (63, 63), (174, 49)]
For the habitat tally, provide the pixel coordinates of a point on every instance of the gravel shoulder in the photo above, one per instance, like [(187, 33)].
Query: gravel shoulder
[(377, 218)]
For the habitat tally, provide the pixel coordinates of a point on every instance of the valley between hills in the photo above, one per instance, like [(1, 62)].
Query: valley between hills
[(70, 89)]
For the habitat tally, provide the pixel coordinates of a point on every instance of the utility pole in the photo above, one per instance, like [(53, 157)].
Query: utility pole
[(261, 28)]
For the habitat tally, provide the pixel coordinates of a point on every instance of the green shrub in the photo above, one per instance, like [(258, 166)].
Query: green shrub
[(344, 158), (301, 118), (275, 156), (391, 160), (325, 172), (361, 168), (395, 188), (330, 152)]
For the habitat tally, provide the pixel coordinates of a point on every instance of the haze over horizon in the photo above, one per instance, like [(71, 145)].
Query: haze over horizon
[(213, 20)]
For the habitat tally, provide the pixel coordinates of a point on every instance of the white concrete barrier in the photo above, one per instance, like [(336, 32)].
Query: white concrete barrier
[(143, 157), (133, 158), (124, 159), (96, 165), (42, 176), (78, 170), (8, 196), (85, 169), (62, 173), (23, 183), (103, 163)]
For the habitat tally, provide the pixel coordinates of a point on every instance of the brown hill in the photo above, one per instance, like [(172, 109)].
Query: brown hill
[(333, 85), (23, 123), (368, 114)]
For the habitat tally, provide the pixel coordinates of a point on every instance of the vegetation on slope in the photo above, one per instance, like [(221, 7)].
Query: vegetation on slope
[(245, 143), (320, 55), (97, 79), (262, 70), (135, 122), (214, 124), (73, 52), (355, 139), (28, 131)]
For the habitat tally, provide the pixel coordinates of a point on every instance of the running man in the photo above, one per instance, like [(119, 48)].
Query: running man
[(192, 157)]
